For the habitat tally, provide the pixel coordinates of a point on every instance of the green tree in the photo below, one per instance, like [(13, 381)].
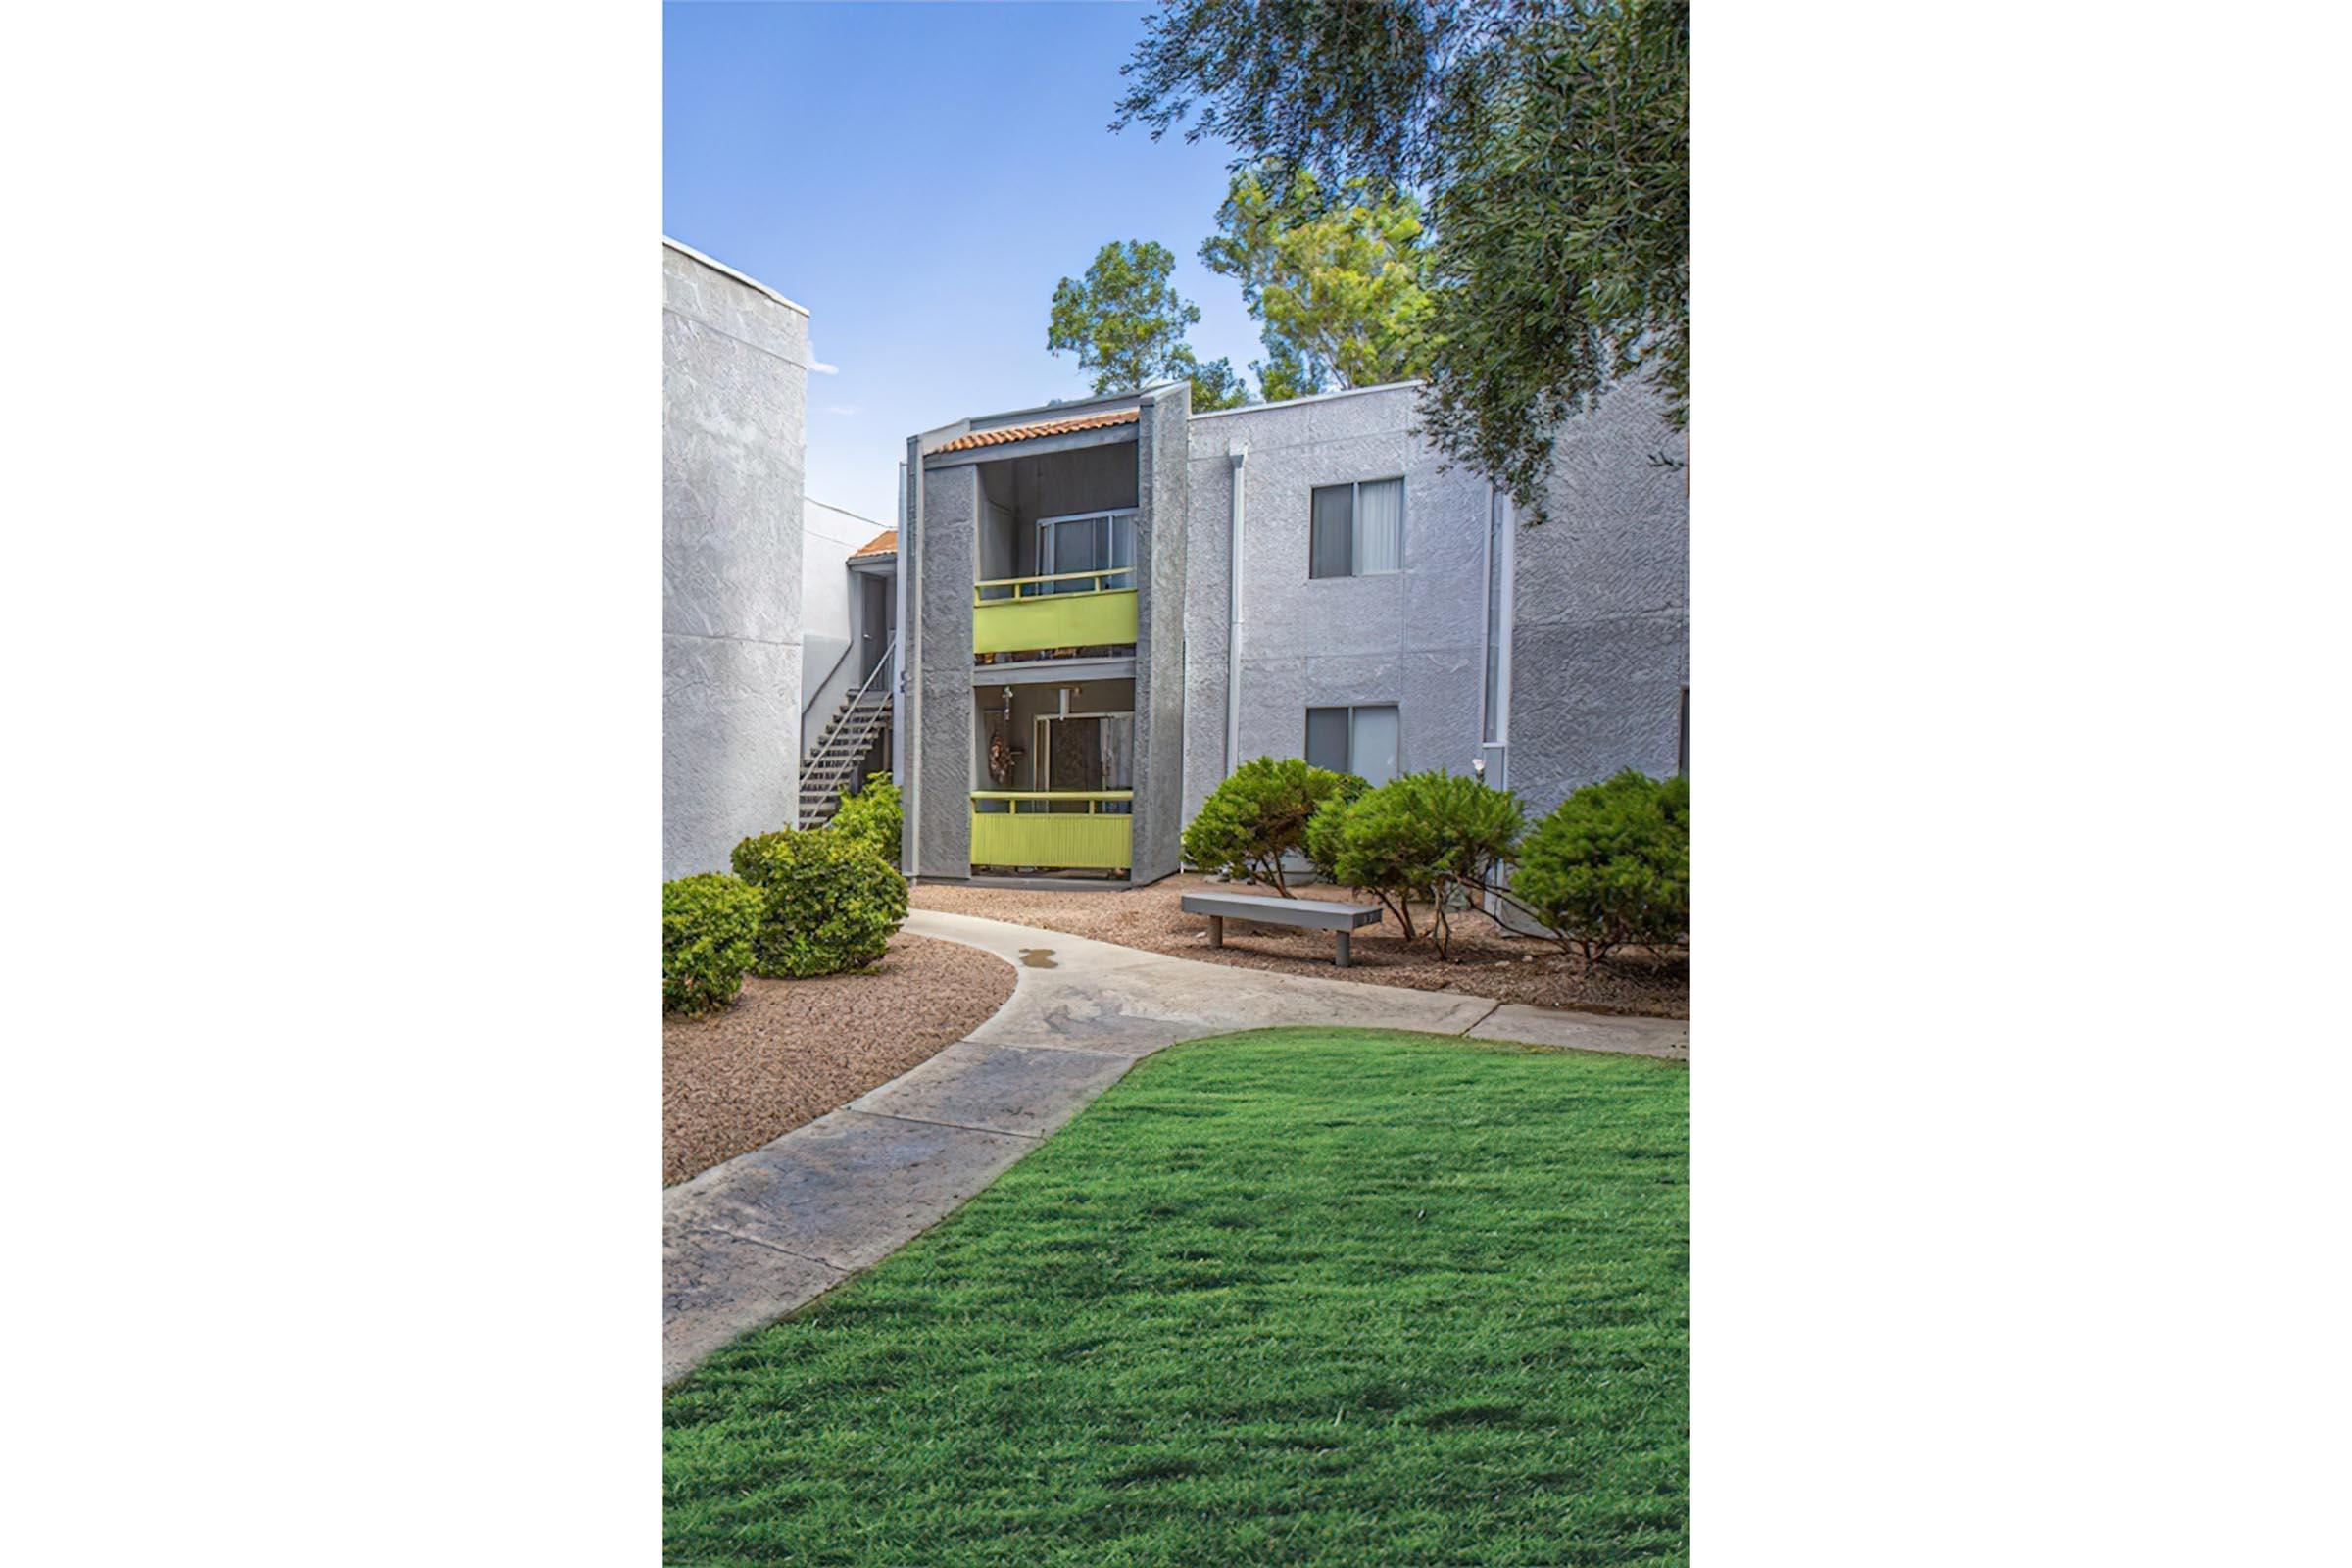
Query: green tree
[(1126, 324), (1258, 816), (1334, 278), (1551, 138), (1611, 865), (1435, 837)]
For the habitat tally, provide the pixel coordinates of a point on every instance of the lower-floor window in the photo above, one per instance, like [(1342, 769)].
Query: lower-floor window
[(1359, 740)]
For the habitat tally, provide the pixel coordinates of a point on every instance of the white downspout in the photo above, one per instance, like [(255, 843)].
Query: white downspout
[(1238, 454), (909, 705)]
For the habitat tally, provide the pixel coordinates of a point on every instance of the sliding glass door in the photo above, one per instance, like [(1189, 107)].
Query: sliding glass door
[(1086, 752), (1100, 541)]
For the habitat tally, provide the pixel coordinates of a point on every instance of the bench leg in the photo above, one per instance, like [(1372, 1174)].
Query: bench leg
[(1339, 960), (1216, 930)]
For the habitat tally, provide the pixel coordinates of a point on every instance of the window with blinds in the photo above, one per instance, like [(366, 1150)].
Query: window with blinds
[(1356, 530), (1362, 741)]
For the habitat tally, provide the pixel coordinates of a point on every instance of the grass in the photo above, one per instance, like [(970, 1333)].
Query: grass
[(1296, 1296)]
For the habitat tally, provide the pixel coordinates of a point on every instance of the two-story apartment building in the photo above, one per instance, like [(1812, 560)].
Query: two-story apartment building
[(1086, 662)]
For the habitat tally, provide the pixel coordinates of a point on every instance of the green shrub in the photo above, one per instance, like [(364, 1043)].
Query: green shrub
[(1258, 816), (1424, 837), (708, 923), (1612, 866), (828, 902), (1323, 829), (874, 815)]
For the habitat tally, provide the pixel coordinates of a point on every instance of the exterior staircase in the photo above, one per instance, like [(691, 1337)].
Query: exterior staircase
[(832, 764)]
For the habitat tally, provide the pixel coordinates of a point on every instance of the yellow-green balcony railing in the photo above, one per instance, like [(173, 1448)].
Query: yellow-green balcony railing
[(1063, 610), (1030, 831)]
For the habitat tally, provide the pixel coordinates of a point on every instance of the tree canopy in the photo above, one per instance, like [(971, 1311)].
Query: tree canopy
[(1126, 324), (1551, 138), (1333, 278)]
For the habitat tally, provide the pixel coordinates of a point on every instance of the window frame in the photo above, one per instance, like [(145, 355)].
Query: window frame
[(1354, 489), (1110, 518), (1352, 709)]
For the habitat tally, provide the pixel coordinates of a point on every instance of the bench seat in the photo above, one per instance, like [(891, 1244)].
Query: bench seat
[(1309, 914)]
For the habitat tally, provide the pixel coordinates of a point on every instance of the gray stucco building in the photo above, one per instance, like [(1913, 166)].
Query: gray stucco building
[(734, 405), (1087, 665)]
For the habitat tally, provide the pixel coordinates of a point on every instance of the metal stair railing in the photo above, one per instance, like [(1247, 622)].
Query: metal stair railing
[(848, 736)]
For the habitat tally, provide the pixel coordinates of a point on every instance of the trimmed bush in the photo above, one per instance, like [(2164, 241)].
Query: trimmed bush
[(1258, 816), (1427, 837), (874, 814), (1324, 828), (1612, 866), (828, 902), (708, 923)]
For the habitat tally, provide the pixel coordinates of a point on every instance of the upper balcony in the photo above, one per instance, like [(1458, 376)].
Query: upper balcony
[(1070, 610)]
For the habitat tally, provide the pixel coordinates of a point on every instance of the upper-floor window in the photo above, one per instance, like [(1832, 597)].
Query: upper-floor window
[(1358, 530)]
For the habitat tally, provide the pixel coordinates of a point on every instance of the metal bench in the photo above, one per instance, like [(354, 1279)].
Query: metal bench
[(1311, 914)]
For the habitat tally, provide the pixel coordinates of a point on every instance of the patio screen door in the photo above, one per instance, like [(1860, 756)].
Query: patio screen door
[(1089, 753)]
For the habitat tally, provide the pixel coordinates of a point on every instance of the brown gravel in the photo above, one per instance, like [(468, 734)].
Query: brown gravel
[(1488, 962), (786, 1052)]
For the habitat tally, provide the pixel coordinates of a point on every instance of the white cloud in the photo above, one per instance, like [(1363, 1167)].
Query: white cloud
[(818, 365), (845, 410)]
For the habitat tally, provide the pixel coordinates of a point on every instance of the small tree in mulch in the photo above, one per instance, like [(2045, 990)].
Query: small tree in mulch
[(1435, 838), (1258, 816), (1610, 867)]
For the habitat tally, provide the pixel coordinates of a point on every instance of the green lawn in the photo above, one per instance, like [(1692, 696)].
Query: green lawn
[(1298, 1296)]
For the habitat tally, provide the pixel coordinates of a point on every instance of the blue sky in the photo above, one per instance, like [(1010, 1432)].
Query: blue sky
[(920, 177)]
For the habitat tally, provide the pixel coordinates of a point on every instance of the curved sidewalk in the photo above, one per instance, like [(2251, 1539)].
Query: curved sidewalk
[(747, 1242)]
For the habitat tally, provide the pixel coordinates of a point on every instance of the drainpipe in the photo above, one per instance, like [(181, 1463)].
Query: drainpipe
[(1237, 454), (907, 710)]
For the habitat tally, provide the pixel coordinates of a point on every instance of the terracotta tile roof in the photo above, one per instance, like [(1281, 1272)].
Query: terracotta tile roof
[(885, 542), (1029, 433)]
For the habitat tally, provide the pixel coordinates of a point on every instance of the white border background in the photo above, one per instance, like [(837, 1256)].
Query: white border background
[(2019, 561)]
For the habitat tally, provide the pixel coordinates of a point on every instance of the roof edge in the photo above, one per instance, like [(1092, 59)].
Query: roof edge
[(1318, 397), (1061, 409), (819, 501), (743, 278), (994, 435)]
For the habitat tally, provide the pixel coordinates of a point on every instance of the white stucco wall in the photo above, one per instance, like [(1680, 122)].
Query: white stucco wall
[(1413, 637), (1600, 604), (828, 537), (1602, 649), (734, 403)]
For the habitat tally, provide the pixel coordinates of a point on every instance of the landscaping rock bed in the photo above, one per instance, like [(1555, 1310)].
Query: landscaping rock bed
[(1489, 962), (786, 1052)]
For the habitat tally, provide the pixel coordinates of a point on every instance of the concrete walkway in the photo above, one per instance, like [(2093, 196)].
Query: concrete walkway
[(747, 1242)]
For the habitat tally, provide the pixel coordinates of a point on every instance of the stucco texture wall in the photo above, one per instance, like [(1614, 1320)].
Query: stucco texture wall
[(1600, 652), (1162, 555), (734, 403), (1414, 638), (951, 500)]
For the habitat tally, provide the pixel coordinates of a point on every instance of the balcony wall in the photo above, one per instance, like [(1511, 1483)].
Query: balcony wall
[(1026, 615), (1064, 830)]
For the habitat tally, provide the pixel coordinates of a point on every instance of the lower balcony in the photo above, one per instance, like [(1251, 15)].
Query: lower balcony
[(1053, 831), (1065, 610)]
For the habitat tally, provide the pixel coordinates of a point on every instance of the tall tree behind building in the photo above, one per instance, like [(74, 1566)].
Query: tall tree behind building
[(1126, 324), (1552, 140), (1334, 278)]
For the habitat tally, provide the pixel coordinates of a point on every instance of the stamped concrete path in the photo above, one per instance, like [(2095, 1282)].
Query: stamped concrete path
[(748, 1241)]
